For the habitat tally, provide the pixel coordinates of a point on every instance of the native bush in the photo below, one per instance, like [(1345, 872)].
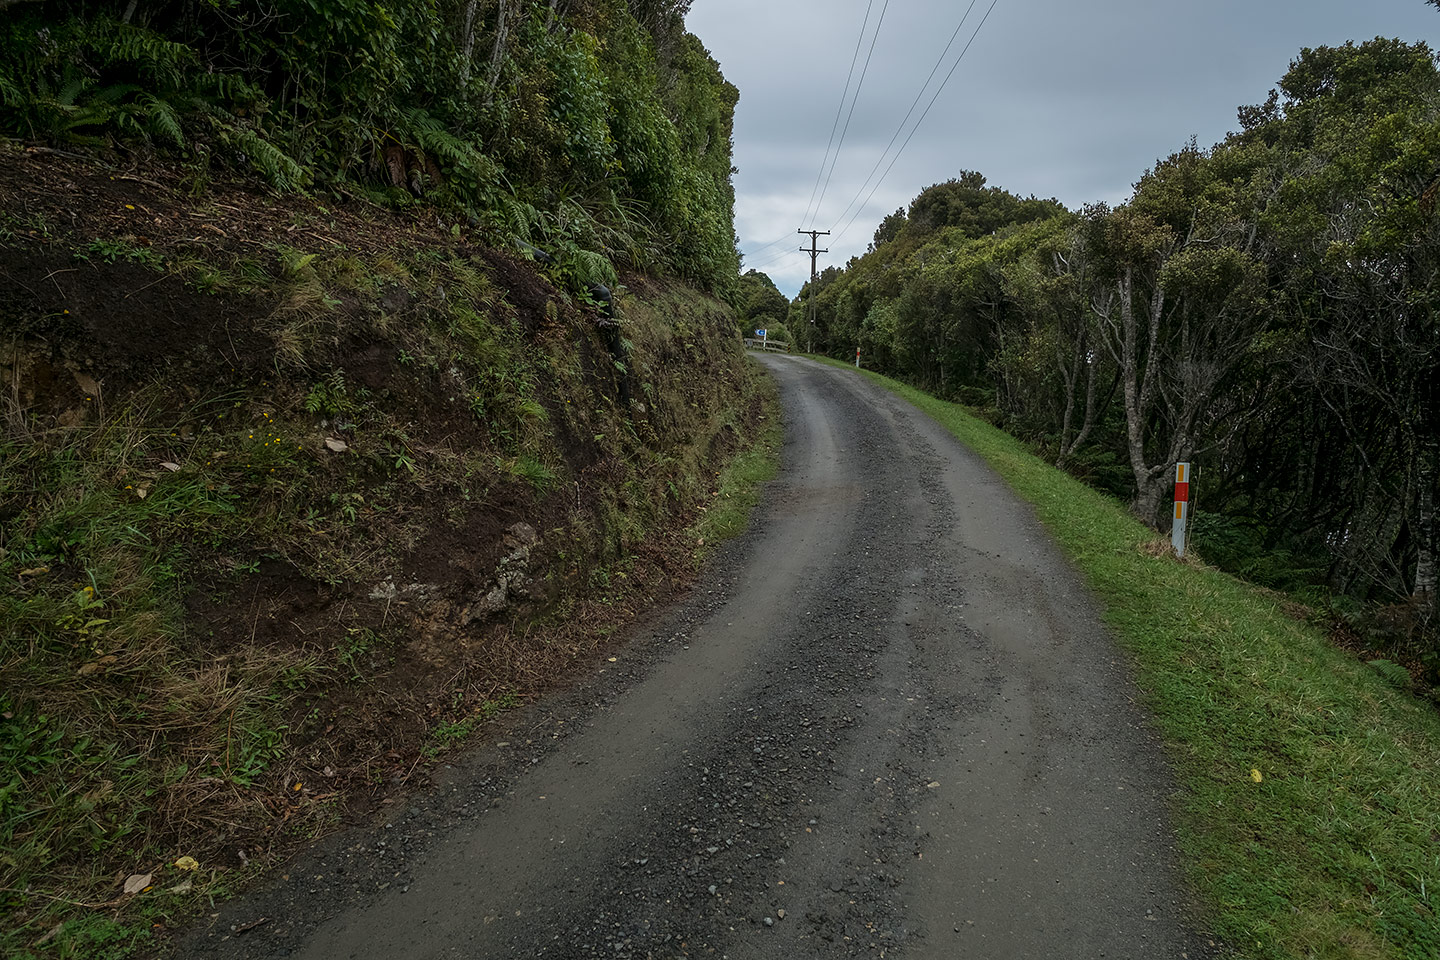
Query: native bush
[(603, 126)]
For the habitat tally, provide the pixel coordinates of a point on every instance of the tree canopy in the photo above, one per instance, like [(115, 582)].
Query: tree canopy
[(599, 129), (1265, 308)]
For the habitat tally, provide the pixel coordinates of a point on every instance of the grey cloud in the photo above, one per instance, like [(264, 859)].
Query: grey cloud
[(1055, 98)]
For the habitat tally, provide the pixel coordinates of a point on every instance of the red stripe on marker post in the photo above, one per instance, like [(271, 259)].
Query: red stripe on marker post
[(1182, 507)]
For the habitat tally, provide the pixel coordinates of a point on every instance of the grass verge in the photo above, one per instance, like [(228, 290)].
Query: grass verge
[(738, 484), (1309, 819)]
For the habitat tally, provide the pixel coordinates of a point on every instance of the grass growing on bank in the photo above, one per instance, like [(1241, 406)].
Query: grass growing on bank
[(1310, 815), (195, 666), (738, 485)]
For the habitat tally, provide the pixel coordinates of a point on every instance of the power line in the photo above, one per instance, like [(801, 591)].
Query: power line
[(856, 99), (840, 109), (908, 113), (923, 115), (772, 260), (784, 239), (759, 250)]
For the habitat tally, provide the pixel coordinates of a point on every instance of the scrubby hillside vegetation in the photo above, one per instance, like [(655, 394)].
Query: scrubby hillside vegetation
[(597, 129), (321, 443), (1265, 308)]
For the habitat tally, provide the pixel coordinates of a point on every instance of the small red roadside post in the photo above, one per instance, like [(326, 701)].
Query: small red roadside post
[(1182, 507)]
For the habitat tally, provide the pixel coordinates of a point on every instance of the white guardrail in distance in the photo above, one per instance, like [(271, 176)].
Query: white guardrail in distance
[(755, 343)]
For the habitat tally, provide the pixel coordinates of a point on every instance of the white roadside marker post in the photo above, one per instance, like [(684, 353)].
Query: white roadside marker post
[(1182, 507), (857, 358)]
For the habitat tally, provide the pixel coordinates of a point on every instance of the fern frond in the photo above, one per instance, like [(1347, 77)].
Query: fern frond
[(162, 61), (592, 268), (67, 95), (163, 119), (1391, 672), (478, 171), (10, 95), (125, 123), (114, 93), (264, 157)]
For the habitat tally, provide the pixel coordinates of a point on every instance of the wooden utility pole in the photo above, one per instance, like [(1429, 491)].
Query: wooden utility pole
[(810, 305)]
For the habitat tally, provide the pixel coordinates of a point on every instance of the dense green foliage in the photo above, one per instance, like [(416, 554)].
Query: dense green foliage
[(597, 129), (1266, 308), (759, 303)]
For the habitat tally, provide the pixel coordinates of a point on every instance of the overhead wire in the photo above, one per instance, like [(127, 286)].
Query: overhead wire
[(923, 115), (854, 58), (939, 61), (768, 245), (776, 258), (854, 100)]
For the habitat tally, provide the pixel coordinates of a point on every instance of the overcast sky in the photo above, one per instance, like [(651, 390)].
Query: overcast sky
[(1055, 98)]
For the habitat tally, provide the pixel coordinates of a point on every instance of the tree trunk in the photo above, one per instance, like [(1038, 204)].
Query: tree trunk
[(1088, 423), (1425, 528), (467, 41), (1146, 493), (497, 52)]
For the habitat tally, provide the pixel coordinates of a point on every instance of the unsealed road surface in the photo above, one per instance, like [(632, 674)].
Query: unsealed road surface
[(887, 724)]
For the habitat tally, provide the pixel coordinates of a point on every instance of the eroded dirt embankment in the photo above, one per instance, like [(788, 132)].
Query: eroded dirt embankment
[(293, 494)]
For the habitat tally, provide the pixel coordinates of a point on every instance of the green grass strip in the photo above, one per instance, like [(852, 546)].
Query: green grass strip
[(1309, 816), (738, 485)]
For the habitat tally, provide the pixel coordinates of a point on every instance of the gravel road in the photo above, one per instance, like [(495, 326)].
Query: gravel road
[(886, 723)]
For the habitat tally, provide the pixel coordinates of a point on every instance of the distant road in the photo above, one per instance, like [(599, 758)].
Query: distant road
[(888, 723)]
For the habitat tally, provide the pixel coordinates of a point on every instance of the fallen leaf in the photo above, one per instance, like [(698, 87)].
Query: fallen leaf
[(137, 882), (142, 492), (171, 466), (101, 664), (339, 446), (34, 571), (187, 863), (184, 886), (613, 659), (1256, 775), (54, 932), (933, 784)]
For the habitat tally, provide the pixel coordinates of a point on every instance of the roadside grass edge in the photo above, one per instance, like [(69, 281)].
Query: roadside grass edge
[(739, 483), (1309, 813)]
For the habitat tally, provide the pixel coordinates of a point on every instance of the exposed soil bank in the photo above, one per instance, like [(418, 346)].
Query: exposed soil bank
[(294, 495)]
